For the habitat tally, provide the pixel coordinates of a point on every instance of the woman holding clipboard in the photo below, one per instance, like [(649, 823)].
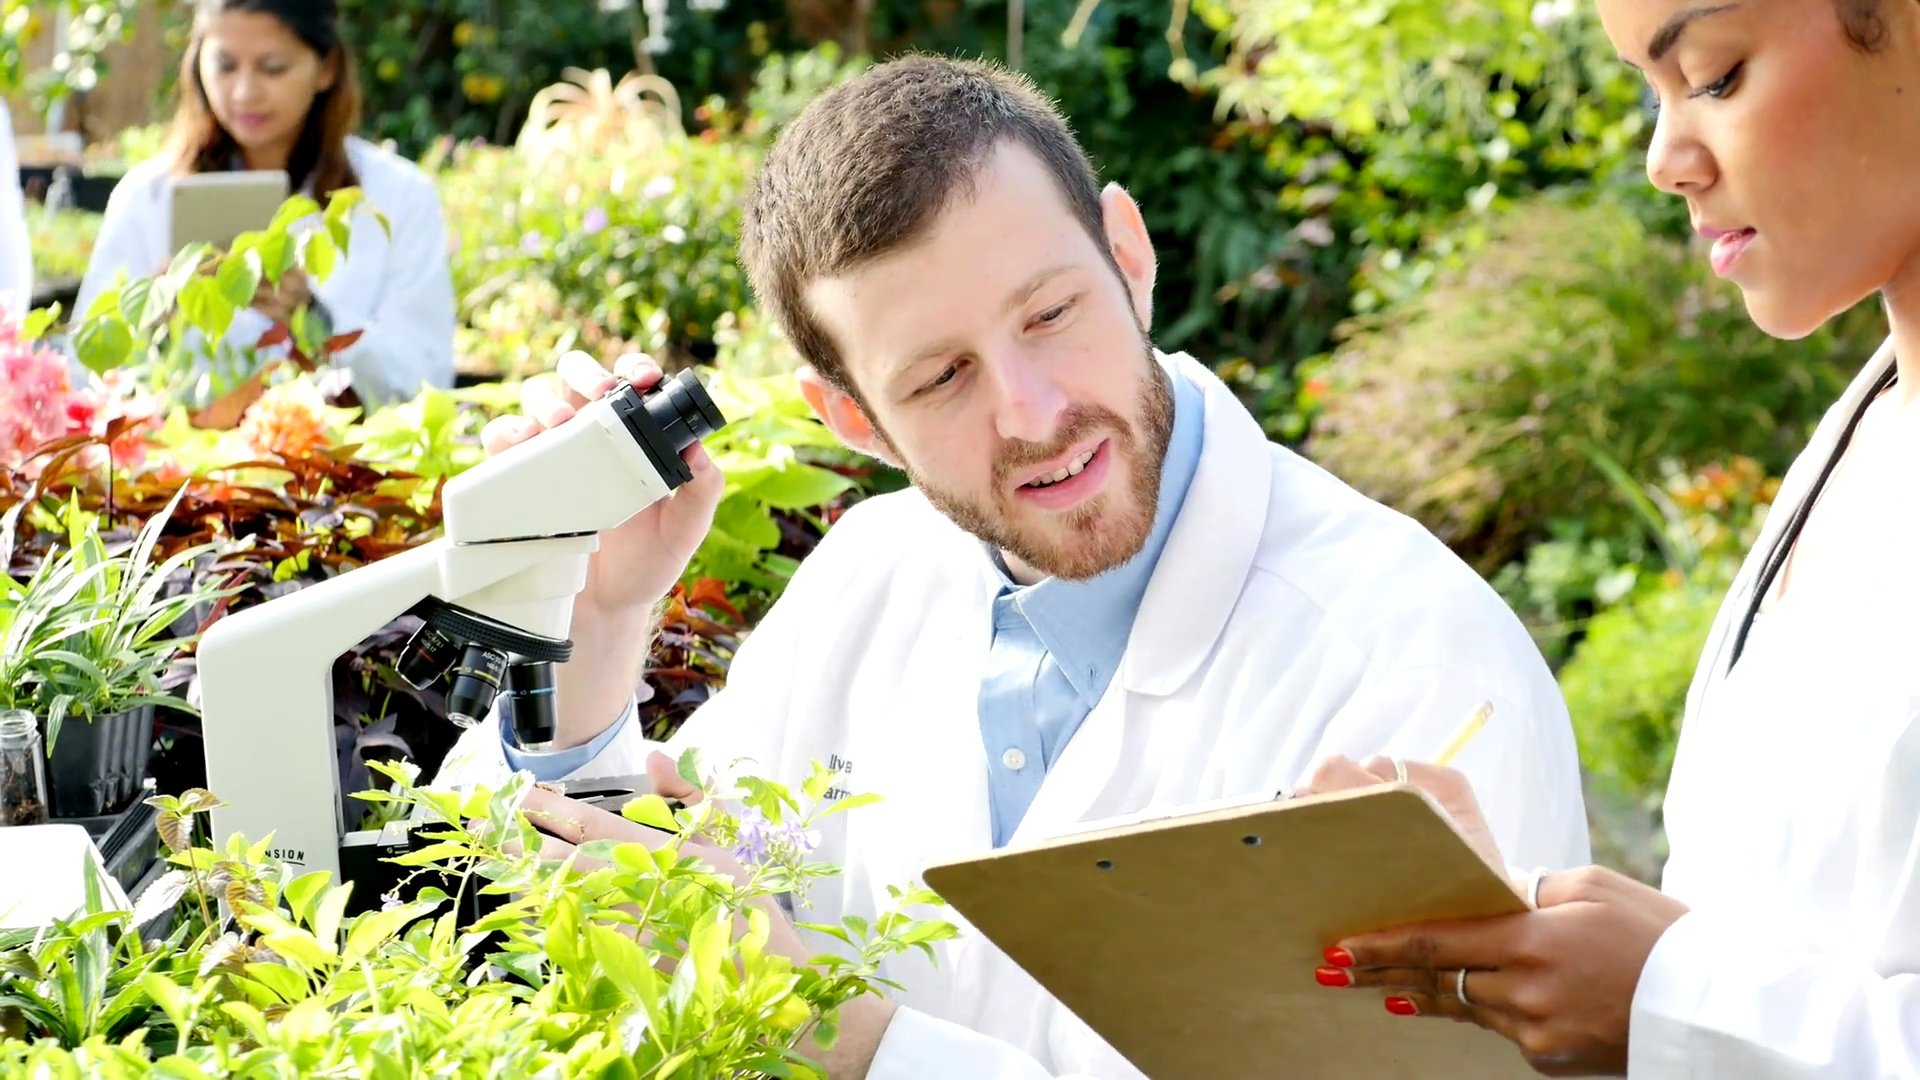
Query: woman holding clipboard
[(267, 86), (1785, 941)]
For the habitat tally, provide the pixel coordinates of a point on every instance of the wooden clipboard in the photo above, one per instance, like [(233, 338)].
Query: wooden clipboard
[(1189, 943)]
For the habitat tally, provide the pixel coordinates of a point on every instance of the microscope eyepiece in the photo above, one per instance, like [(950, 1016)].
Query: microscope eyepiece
[(665, 420)]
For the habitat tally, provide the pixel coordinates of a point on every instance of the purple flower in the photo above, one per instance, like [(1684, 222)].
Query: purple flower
[(761, 841), (595, 220), (530, 243)]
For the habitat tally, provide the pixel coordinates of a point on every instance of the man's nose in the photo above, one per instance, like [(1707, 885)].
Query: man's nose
[(1028, 402)]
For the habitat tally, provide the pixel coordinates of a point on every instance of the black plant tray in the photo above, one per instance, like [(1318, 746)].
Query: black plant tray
[(129, 841)]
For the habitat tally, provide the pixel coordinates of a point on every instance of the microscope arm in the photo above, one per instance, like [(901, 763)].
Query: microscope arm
[(266, 675)]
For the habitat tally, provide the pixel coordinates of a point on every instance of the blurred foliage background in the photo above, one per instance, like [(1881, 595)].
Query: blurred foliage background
[(1415, 235)]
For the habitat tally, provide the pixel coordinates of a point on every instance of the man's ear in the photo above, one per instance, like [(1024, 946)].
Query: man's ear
[(842, 414), (1132, 248)]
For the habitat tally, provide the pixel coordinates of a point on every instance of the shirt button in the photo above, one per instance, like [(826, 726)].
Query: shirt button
[(1014, 759)]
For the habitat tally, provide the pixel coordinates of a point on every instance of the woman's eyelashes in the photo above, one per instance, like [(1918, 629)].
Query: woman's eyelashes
[(1717, 89), (1723, 86)]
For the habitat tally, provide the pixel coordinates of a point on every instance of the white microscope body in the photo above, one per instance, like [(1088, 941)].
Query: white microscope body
[(519, 529)]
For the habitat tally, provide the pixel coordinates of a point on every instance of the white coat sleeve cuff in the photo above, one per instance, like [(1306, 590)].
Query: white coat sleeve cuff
[(1671, 990), (917, 1046)]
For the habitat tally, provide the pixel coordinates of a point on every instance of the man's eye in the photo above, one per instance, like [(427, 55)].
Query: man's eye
[(1053, 314), (947, 376)]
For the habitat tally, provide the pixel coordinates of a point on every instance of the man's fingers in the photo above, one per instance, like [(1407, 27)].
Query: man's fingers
[(667, 781), (582, 379), (638, 369), (504, 431), (543, 404)]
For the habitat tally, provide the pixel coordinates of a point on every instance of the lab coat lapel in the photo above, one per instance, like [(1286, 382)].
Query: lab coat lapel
[(1192, 593)]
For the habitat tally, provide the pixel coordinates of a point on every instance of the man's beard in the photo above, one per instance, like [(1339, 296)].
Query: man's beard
[(1091, 538)]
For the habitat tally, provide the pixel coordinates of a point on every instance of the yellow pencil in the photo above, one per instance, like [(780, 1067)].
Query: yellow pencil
[(1464, 734)]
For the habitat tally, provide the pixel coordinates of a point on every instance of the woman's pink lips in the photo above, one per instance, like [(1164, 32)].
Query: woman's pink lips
[(1728, 245)]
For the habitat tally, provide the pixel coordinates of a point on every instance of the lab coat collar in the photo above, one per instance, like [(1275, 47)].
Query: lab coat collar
[(1210, 552)]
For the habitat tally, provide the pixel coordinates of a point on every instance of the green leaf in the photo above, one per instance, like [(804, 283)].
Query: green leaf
[(689, 767), (319, 254), (103, 344), (372, 929), (38, 322), (239, 278), (651, 810), (281, 981), (206, 308), (326, 919), (799, 487), (851, 802), (292, 211)]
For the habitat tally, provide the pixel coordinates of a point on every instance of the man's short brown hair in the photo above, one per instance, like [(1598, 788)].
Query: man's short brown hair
[(870, 164)]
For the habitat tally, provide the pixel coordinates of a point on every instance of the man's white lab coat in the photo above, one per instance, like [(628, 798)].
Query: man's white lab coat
[(398, 292), (16, 250), (1794, 821), (1288, 619)]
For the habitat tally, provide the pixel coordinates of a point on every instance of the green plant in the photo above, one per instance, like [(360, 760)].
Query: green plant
[(62, 242), (619, 961), (624, 246), (91, 633), (91, 27), (1477, 407), (169, 329), (1626, 686)]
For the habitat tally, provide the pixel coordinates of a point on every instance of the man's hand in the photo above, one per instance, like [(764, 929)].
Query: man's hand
[(638, 562), (1449, 787), (1558, 982)]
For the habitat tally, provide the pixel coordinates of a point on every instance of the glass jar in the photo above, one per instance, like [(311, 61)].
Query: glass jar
[(23, 770)]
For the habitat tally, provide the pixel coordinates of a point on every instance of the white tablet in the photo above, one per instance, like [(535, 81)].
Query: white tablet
[(214, 208)]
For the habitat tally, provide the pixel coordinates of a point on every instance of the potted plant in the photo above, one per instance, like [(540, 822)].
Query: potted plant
[(87, 643)]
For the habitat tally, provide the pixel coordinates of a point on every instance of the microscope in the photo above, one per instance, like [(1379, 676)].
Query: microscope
[(495, 596)]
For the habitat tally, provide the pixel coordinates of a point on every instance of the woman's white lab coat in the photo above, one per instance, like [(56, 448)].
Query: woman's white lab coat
[(1288, 619), (1794, 820), (16, 251), (398, 292)]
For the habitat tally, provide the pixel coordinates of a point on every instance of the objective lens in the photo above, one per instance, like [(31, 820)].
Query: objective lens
[(476, 681), (530, 699), (427, 657)]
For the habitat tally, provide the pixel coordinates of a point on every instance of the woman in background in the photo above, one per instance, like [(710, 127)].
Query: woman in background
[(16, 253), (1784, 942), (267, 84)]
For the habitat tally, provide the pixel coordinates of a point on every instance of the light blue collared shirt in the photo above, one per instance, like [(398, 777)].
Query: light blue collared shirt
[(553, 765), (1057, 643)]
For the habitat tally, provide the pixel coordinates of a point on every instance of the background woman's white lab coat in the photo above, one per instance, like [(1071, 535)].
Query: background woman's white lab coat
[(16, 251), (1288, 619), (398, 292), (1794, 820)]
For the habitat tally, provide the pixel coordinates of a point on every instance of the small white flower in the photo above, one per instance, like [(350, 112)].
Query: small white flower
[(657, 188), (706, 5), (655, 44), (674, 234)]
